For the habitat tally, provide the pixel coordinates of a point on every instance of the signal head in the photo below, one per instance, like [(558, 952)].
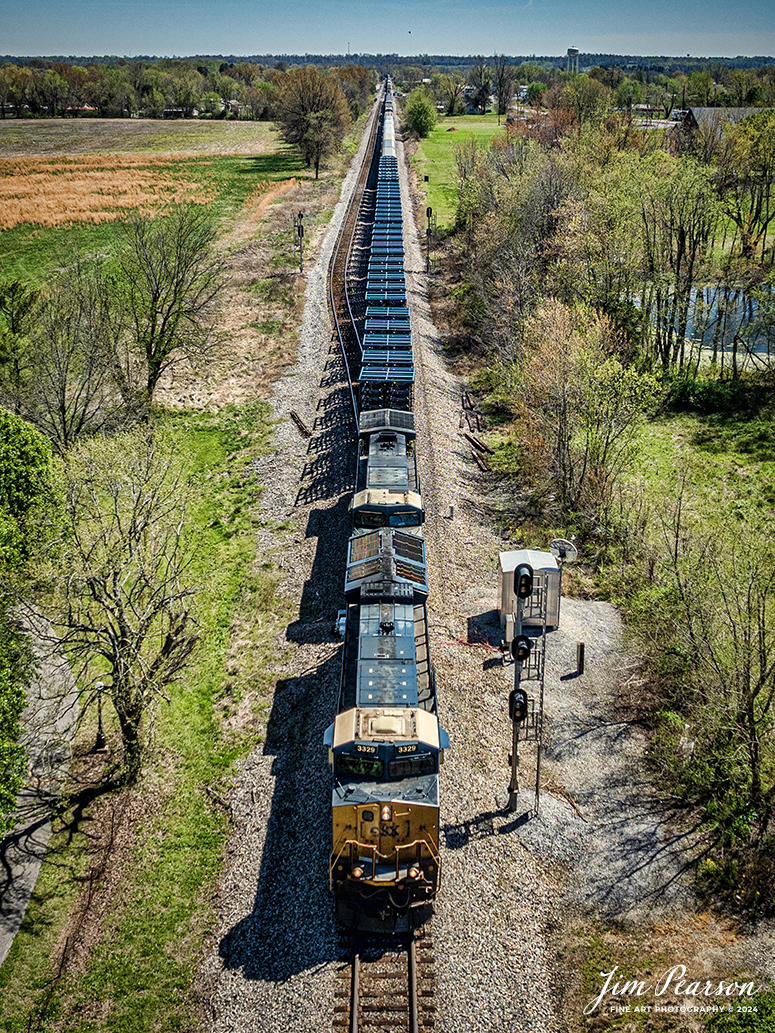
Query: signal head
[(523, 581)]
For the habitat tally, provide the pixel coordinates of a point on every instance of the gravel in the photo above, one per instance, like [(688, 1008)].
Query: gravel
[(601, 843)]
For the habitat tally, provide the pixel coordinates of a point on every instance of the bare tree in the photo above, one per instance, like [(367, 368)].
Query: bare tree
[(126, 616), (745, 179), (169, 279), (480, 77), (73, 383), (312, 112), (722, 616), (18, 305), (504, 78)]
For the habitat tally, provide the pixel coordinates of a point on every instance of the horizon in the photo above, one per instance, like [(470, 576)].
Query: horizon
[(169, 28), (425, 58)]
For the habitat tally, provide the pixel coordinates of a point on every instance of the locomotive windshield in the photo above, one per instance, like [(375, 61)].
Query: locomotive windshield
[(368, 518), (371, 766), (405, 518), (360, 766), (398, 518), (412, 767)]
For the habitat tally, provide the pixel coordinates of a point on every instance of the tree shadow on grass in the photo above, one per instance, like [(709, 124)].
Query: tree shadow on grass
[(277, 164)]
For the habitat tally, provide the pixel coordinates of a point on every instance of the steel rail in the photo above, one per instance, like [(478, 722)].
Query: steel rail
[(414, 1018), (340, 260), (375, 974)]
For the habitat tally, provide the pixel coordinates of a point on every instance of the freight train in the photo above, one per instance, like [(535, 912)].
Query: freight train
[(386, 745)]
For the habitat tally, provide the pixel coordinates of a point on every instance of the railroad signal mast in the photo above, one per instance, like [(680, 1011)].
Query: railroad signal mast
[(528, 654)]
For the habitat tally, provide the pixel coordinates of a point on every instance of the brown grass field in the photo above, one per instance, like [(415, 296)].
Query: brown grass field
[(57, 172), (89, 188), (60, 173)]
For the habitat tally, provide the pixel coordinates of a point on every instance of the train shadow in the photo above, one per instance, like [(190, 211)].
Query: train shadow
[(323, 592), (481, 826), (292, 927)]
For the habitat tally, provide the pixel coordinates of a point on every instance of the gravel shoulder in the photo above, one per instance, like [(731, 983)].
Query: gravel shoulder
[(602, 846)]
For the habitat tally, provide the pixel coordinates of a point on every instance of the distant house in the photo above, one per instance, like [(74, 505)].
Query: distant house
[(709, 123), (714, 118)]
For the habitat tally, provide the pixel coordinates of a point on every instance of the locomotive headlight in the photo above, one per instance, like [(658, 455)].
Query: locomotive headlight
[(386, 813), (357, 872), (414, 873)]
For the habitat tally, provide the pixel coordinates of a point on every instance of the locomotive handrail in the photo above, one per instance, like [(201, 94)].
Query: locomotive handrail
[(369, 848)]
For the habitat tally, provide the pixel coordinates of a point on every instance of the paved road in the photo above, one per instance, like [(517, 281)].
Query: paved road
[(49, 722)]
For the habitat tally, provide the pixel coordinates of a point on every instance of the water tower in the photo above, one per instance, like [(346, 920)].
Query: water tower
[(573, 60)]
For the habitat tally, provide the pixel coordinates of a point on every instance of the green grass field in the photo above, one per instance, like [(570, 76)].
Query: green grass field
[(435, 158)]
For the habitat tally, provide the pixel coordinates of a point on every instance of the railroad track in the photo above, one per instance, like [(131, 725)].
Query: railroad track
[(386, 987), (342, 302)]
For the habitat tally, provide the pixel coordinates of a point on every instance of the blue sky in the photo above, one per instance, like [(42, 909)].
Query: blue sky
[(701, 28)]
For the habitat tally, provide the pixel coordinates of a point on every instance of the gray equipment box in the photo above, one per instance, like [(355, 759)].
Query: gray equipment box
[(546, 588)]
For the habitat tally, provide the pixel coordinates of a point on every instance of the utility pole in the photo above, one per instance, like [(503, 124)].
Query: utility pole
[(298, 222)]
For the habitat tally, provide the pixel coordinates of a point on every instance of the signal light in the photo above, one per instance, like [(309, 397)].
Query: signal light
[(523, 581), (517, 704), (520, 648)]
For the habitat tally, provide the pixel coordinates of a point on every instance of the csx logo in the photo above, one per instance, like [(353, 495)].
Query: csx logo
[(384, 830)]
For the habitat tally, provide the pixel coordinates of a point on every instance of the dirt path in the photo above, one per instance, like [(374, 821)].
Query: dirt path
[(49, 721)]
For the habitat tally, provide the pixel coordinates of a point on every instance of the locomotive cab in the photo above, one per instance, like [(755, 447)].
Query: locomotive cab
[(385, 857), (388, 492), (373, 509)]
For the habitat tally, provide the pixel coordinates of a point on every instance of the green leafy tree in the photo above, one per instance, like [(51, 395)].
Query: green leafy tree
[(535, 92), (581, 408), (28, 510), (419, 113), (587, 98), (450, 90)]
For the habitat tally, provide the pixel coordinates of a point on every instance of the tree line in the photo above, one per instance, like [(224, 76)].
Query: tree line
[(492, 83), (207, 88)]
